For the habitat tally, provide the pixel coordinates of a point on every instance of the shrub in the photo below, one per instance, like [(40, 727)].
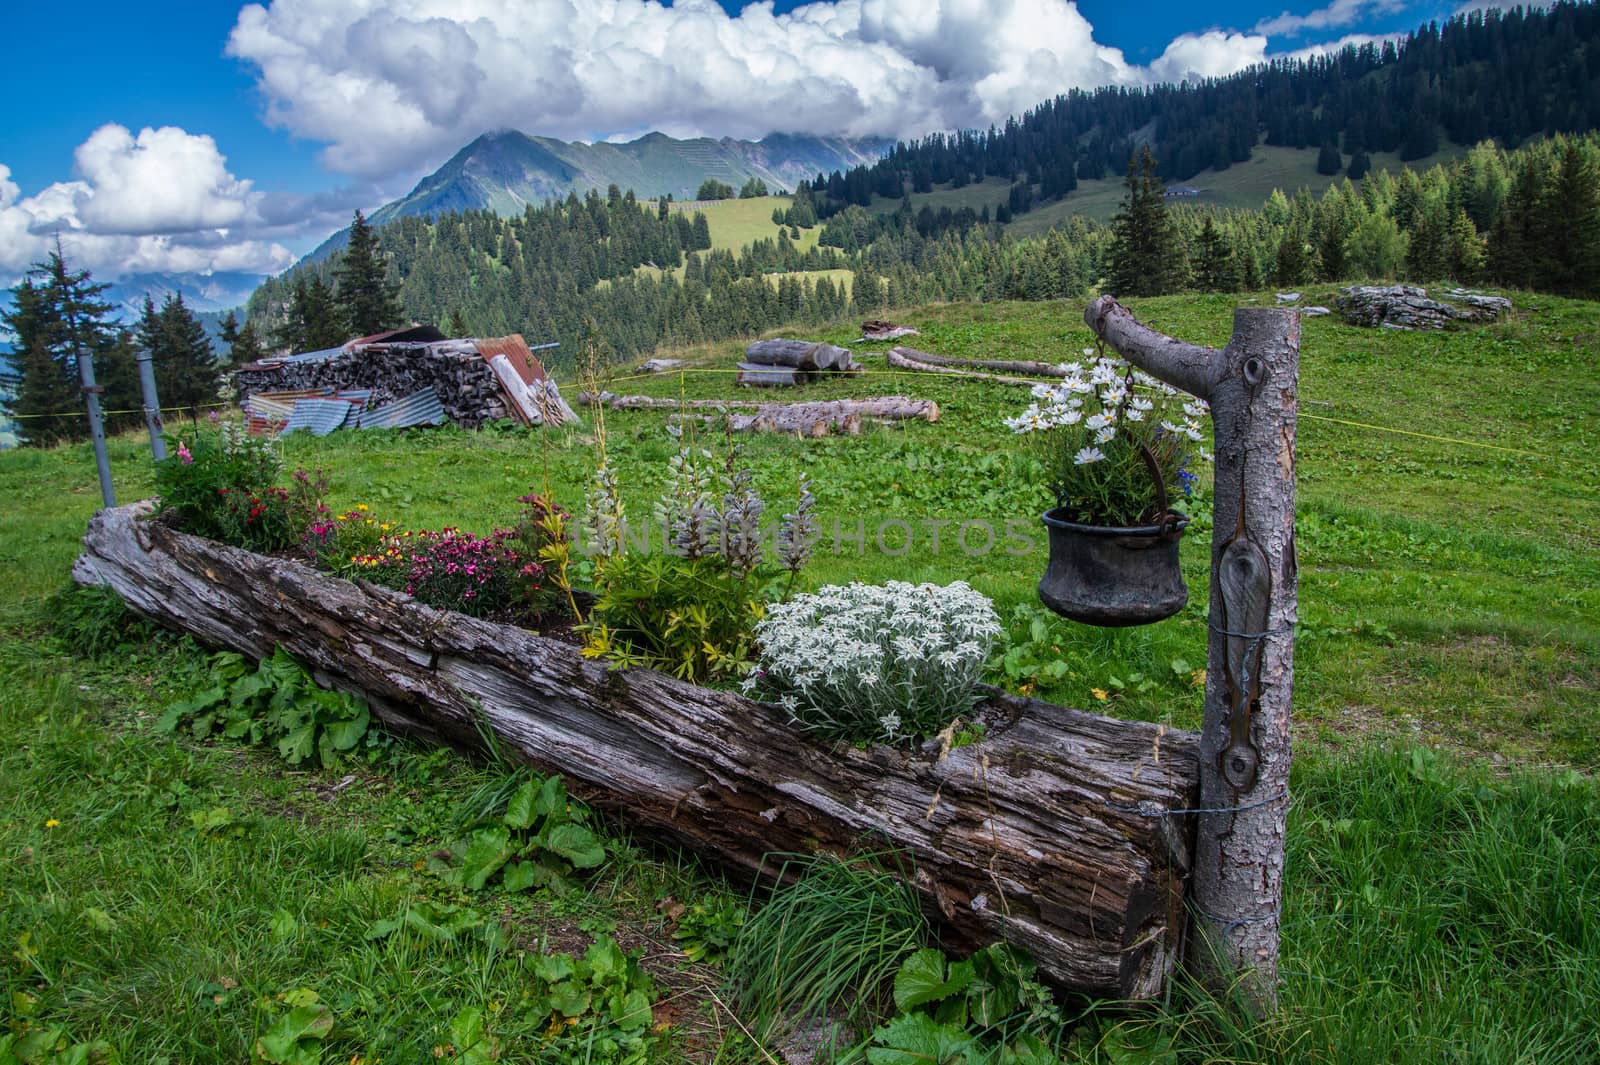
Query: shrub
[(223, 488), (540, 535), (889, 663), (455, 570), (345, 544), (95, 621)]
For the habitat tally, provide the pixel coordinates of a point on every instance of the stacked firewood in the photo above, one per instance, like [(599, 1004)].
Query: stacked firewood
[(466, 385)]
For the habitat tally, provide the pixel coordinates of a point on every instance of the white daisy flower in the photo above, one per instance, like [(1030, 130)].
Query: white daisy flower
[(1087, 455)]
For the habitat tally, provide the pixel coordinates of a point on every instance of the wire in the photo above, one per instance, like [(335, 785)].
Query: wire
[(109, 413), (1425, 436)]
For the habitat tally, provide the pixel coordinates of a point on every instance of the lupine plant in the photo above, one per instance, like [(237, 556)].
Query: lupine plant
[(865, 663), (1100, 429), (691, 610)]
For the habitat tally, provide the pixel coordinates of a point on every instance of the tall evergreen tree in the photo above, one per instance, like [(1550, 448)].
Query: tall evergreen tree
[(1145, 256), (186, 370), (1328, 160), (57, 315), (1213, 267), (364, 295), (1570, 226), (456, 324)]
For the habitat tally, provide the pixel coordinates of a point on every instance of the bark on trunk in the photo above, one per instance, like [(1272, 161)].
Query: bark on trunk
[(1237, 887), (1050, 833), (798, 354)]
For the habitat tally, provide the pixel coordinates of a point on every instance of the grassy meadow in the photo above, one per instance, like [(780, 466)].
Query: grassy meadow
[(1444, 864)]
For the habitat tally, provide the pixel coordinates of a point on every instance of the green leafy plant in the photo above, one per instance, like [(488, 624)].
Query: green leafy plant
[(707, 928), (600, 1002), (540, 839), (890, 663), (224, 487), (990, 1007), (276, 702), (295, 1036), (823, 949)]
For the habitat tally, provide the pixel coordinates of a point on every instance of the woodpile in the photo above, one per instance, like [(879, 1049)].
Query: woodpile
[(468, 388), (877, 329), (785, 363), (1061, 832)]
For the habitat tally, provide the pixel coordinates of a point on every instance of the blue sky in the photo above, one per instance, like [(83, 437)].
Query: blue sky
[(269, 124)]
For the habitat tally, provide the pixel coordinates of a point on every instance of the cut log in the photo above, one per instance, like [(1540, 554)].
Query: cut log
[(877, 329), (1052, 833), (798, 354), (912, 359), (761, 376)]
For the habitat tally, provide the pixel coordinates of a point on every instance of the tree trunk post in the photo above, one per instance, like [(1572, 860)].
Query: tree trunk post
[(1237, 884), (97, 429)]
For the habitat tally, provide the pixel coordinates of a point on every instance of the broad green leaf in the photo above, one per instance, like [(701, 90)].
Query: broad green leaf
[(280, 1043), (576, 844), (520, 876), (1028, 1049), (298, 744), (631, 1012), (605, 958), (922, 979), (346, 734), (569, 998), (552, 797), (520, 810), (488, 851), (382, 929), (916, 1039), (470, 1037), (553, 968)]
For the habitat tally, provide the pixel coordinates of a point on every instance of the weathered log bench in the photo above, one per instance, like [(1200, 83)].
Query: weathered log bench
[(1049, 833)]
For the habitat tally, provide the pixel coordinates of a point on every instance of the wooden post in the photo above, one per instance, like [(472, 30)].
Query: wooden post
[(1237, 885)]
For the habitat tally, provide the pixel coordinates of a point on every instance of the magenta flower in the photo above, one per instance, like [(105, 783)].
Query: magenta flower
[(183, 455)]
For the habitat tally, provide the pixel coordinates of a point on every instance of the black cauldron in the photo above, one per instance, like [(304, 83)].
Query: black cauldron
[(1111, 576)]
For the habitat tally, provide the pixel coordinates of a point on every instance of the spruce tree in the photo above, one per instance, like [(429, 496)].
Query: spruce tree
[(365, 298), (1360, 166), (1328, 160), (456, 324), (1145, 258), (57, 315), (1213, 268), (186, 370)]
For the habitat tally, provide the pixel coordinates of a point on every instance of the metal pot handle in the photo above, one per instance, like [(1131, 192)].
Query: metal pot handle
[(1169, 524)]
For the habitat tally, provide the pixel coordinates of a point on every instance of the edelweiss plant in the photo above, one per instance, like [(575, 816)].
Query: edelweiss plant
[(875, 663), (1100, 430)]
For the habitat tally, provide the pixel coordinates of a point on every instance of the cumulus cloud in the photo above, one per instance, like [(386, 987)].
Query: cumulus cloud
[(400, 84), (161, 201), (1339, 13), (1212, 54), (162, 181)]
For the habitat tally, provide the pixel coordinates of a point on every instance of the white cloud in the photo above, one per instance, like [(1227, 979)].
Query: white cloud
[(1338, 13), (163, 181), (1212, 54), (1349, 40), (398, 85), (161, 201)]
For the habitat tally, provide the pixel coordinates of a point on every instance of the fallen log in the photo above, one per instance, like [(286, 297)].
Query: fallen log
[(883, 408), (1051, 833), (757, 375), (912, 359), (815, 428), (1042, 369)]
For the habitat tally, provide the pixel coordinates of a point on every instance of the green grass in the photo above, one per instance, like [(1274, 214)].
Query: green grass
[(736, 223), (1450, 599), (1242, 185)]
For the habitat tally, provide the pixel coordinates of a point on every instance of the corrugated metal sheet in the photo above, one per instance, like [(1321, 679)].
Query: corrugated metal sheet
[(315, 356), (275, 406), (361, 398), (320, 416), (411, 334), (419, 408), (517, 353)]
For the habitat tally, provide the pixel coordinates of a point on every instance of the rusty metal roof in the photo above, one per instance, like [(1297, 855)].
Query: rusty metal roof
[(411, 334), (276, 406), (517, 352)]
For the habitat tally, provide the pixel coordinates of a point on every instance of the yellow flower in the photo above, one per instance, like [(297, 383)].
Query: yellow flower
[(52, 823), (1100, 693), (361, 507)]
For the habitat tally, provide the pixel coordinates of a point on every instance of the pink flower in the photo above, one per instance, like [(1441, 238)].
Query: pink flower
[(183, 455)]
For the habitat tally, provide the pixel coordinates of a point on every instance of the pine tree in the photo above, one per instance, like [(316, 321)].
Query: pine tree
[(1569, 224), (364, 296), (1213, 268), (1360, 166), (1328, 160), (1144, 255), (186, 370), (456, 324), (57, 315)]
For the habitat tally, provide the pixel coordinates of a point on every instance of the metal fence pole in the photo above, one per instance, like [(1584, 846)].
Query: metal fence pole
[(152, 404), (97, 431)]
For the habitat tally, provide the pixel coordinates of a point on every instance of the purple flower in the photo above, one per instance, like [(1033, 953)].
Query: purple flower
[(183, 454)]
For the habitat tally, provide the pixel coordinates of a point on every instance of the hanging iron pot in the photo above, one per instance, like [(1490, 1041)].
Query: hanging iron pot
[(1115, 576)]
